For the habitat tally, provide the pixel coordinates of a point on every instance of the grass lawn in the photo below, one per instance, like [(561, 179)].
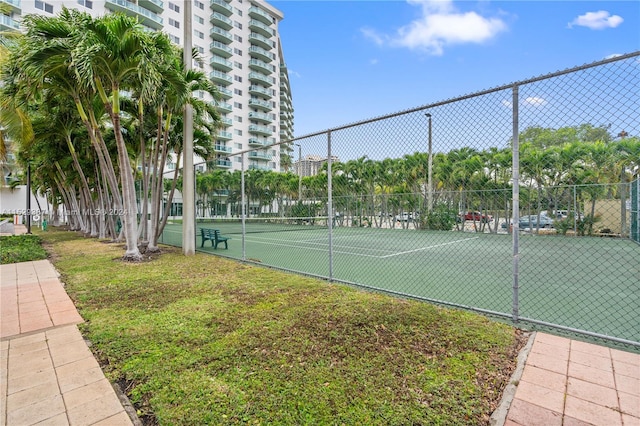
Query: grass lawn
[(205, 340), (21, 248)]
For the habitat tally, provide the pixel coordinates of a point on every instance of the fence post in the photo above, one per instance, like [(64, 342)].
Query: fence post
[(515, 234), (330, 205), (243, 212)]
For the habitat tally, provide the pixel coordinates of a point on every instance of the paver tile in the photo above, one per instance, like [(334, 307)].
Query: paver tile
[(79, 373), (32, 347), (544, 378), (93, 391), (550, 350), (592, 392), (625, 369), (570, 421), (541, 396), (94, 411), (36, 361), (629, 404), (58, 420), (627, 384), (589, 374), (17, 384), (66, 317), (26, 340), (592, 413), (120, 419), (590, 348), (40, 392), (550, 339), (627, 357), (628, 420), (590, 360), (547, 362), (34, 323), (70, 352), (528, 414), (32, 307), (36, 412)]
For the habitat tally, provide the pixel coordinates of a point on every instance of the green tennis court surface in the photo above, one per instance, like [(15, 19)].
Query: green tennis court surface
[(586, 283)]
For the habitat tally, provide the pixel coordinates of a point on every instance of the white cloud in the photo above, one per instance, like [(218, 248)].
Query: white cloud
[(535, 101), (613, 55), (506, 103), (374, 61), (439, 26), (294, 73), (597, 20)]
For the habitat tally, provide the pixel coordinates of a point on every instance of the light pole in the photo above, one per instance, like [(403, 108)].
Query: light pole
[(299, 171), (430, 170)]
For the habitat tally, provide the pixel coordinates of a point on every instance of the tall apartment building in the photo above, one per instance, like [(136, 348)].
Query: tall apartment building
[(241, 51)]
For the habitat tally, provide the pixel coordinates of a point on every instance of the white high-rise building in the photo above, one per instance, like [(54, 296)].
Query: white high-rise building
[(241, 51)]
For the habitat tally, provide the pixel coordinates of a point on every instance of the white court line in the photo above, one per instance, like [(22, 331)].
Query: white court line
[(429, 247), (324, 242), (362, 254)]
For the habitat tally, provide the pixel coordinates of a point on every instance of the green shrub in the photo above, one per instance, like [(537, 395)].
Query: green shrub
[(441, 218), (21, 248)]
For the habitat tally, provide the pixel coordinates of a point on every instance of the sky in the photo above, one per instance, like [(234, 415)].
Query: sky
[(353, 60)]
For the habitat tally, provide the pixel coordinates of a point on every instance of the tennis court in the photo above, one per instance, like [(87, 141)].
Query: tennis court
[(586, 283)]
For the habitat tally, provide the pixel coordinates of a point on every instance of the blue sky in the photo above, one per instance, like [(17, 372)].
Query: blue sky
[(353, 60)]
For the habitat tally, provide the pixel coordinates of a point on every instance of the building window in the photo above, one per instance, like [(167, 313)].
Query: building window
[(237, 78), (238, 132), (86, 3), (237, 105), (199, 19), (237, 118), (174, 39), (237, 92), (238, 146), (200, 49), (174, 7), (238, 12), (174, 23), (237, 38), (198, 34), (237, 52), (237, 25), (199, 4), (44, 6)]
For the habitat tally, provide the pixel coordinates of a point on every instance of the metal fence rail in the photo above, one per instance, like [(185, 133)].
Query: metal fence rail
[(517, 201)]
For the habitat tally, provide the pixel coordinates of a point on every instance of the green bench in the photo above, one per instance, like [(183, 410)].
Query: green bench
[(214, 236)]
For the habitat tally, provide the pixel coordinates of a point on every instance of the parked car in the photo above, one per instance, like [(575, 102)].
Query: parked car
[(406, 216), (532, 222), (476, 216)]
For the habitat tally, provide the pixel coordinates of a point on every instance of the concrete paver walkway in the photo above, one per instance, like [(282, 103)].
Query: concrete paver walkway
[(569, 382), (48, 375)]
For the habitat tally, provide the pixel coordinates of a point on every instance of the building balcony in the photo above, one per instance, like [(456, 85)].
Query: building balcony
[(258, 65), (8, 24), (259, 104), (286, 106), (258, 142), (153, 5), (221, 49), (256, 77), (223, 163), (224, 107), (220, 63), (261, 28), (224, 136), (226, 121), (224, 92), (260, 91), (260, 130), (223, 148), (261, 41), (255, 155), (221, 35), (145, 16), (14, 5), (257, 166), (260, 53), (260, 15), (221, 21), (261, 117), (221, 6), (220, 77)]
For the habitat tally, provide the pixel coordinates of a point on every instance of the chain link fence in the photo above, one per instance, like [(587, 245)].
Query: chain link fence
[(517, 202)]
